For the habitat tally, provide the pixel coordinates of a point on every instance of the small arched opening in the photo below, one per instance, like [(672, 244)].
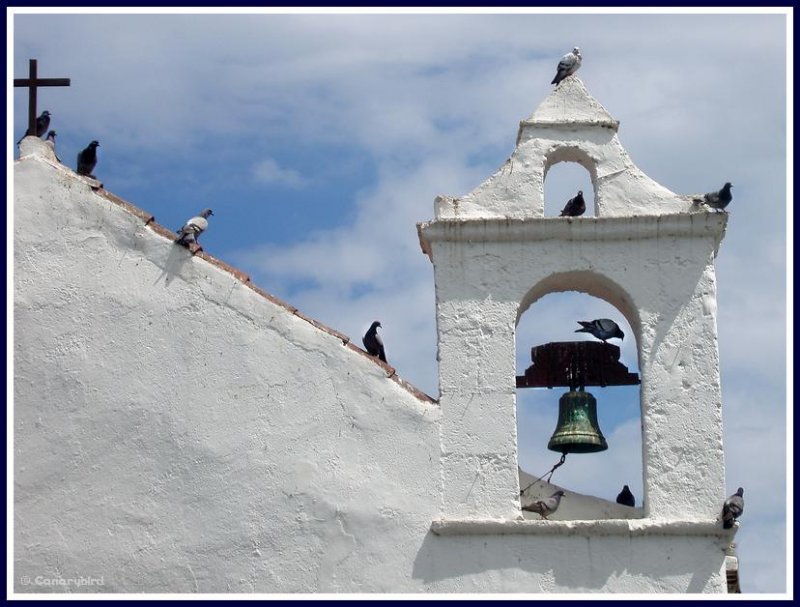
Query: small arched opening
[(548, 315), (568, 170)]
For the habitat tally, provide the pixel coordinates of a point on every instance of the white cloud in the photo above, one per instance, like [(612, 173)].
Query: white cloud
[(268, 171)]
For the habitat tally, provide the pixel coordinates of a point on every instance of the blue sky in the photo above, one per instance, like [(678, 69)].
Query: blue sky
[(320, 140)]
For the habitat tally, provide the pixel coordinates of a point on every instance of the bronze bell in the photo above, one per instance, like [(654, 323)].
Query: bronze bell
[(577, 430)]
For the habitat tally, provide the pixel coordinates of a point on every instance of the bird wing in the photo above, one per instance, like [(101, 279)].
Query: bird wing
[(194, 226), (567, 62), (606, 324), (735, 505), (198, 224), (537, 506)]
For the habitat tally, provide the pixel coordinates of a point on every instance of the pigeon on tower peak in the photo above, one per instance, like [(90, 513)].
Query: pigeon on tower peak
[(192, 229), (373, 342), (575, 206), (601, 328), (568, 65), (717, 200)]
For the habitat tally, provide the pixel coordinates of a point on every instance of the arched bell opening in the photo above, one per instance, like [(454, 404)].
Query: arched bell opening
[(567, 171), (583, 434)]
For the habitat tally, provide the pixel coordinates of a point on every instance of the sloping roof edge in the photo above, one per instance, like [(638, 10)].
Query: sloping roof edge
[(149, 221)]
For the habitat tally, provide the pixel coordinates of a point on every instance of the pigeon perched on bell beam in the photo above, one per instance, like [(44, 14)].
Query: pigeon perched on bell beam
[(547, 506), (732, 508), (373, 342), (717, 200), (568, 65), (42, 122), (601, 328), (193, 228), (626, 498), (51, 141), (575, 206), (87, 159)]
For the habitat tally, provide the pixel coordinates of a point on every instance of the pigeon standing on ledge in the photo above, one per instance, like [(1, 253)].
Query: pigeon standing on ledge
[(626, 498), (568, 65), (42, 122), (732, 508), (87, 159), (373, 342), (51, 141), (575, 206), (717, 200), (192, 229), (545, 507), (602, 329)]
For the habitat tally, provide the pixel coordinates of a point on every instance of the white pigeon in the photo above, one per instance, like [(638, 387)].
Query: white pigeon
[(546, 506), (568, 65), (193, 228)]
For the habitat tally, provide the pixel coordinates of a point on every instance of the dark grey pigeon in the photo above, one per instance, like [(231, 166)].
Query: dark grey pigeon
[(51, 141), (568, 65), (373, 342), (601, 328), (42, 122), (547, 506), (575, 206), (87, 159), (717, 200), (626, 498), (192, 229), (732, 508)]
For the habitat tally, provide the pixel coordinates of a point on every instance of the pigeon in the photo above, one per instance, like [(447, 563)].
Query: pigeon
[(732, 508), (626, 498), (547, 506), (190, 232), (568, 65), (51, 141), (373, 342), (717, 200), (602, 329), (87, 159), (575, 206), (42, 122)]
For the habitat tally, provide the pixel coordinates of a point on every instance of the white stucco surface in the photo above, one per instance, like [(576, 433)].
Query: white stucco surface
[(177, 431), (648, 252)]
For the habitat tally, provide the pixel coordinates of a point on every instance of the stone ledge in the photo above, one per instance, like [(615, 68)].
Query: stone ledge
[(623, 527), (573, 228)]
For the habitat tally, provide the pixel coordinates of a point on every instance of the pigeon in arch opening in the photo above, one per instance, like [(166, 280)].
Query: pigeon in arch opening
[(602, 328)]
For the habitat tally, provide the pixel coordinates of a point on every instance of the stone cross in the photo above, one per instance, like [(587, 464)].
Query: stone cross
[(33, 82)]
